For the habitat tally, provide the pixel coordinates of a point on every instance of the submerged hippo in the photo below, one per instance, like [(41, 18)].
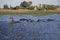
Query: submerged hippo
[(30, 20), (50, 20), (40, 20), (23, 19), (11, 21)]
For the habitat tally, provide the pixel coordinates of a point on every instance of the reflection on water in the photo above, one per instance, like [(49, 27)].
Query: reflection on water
[(48, 30)]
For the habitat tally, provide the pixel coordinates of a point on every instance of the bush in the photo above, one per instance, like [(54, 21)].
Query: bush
[(31, 8), (17, 7), (5, 6)]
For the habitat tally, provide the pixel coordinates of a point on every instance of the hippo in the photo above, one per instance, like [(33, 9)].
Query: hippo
[(40, 20), (23, 19), (30, 20), (50, 19), (11, 21)]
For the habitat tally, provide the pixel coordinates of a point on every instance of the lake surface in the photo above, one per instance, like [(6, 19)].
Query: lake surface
[(47, 30)]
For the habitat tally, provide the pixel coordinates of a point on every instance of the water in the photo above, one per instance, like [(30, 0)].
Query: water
[(48, 30)]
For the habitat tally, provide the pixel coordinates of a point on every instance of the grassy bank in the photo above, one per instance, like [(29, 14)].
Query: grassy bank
[(27, 12)]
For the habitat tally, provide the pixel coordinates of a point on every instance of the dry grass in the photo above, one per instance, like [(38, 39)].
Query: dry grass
[(27, 12), (15, 11)]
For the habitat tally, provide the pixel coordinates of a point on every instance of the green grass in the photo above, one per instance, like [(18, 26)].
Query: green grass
[(27, 12)]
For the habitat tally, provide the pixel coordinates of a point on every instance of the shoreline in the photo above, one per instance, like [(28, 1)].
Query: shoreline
[(28, 12)]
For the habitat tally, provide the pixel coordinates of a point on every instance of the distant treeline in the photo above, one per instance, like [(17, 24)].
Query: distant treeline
[(28, 5)]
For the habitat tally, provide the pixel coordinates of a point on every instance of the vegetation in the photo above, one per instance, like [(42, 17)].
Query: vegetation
[(17, 7), (5, 6), (25, 4), (28, 5), (27, 12), (31, 7), (49, 7), (26, 8)]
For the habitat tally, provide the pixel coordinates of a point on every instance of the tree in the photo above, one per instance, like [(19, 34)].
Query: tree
[(17, 7), (49, 7), (5, 6), (30, 3), (11, 7), (24, 4), (31, 7), (44, 6), (39, 8)]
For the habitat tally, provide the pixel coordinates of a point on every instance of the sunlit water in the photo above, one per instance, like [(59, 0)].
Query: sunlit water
[(48, 30)]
